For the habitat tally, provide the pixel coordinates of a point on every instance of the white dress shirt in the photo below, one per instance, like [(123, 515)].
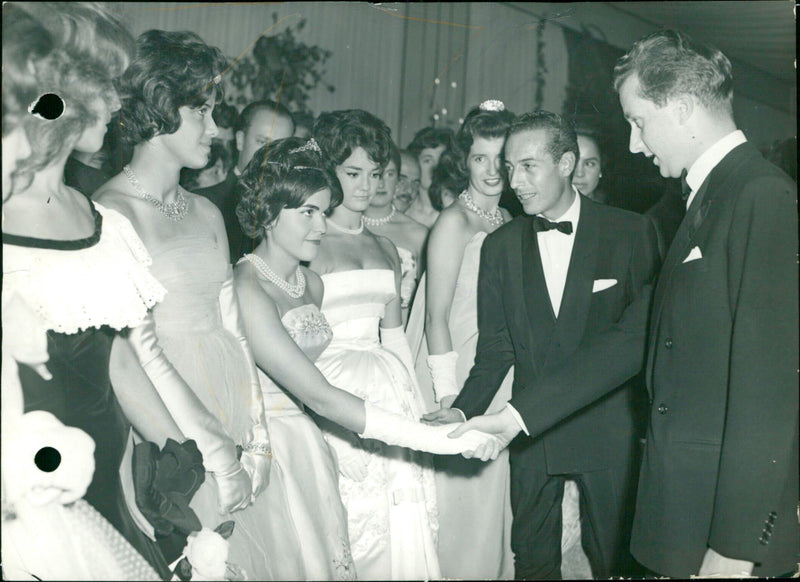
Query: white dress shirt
[(703, 165), (555, 249)]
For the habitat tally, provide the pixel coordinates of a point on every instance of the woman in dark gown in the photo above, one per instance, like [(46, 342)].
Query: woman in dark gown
[(80, 271)]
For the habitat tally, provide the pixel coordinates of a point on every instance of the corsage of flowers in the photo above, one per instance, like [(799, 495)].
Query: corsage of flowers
[(205, 556)]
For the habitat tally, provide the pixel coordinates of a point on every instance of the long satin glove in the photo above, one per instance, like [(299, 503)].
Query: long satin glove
[(394, 429), (192, 417), (257, 453), (394, 339), (443, 375)]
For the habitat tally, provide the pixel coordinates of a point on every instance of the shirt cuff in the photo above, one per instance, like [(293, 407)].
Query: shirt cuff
[(518, 418), (461, 412)]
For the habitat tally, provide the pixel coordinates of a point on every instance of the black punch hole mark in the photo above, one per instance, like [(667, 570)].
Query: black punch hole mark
[(47, 459), (49, 106)]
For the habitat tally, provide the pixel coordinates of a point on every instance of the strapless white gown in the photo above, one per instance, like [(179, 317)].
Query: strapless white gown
[(392, 516), (307, 530)]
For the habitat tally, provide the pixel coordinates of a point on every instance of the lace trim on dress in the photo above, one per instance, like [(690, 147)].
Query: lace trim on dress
[(107, 283)]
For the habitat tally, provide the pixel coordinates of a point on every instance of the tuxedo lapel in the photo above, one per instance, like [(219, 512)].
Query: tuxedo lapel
[(577, 297), (536, 299)]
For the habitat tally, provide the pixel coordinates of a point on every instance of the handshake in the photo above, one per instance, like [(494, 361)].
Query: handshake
[(502, 426)]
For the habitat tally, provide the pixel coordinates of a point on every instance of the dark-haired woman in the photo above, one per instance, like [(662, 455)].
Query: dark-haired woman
[(388, 491), (284, 194), (468, 492), (195, 337)]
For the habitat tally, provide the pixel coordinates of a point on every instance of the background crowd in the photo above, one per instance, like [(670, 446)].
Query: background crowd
[(258, 344)]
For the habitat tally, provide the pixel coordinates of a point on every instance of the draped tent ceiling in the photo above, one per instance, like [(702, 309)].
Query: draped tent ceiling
[(387, 57), (761, 34)]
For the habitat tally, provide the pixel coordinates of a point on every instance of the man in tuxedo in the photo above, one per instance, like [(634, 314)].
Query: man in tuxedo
[(566, 303), (718, 492)]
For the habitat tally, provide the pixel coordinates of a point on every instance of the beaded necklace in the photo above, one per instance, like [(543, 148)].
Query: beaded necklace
[(295, 291), (175, 211), (494, 218)]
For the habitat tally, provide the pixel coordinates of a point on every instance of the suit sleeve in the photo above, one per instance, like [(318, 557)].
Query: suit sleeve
[(603, 361), (759, 444), (495, 353)]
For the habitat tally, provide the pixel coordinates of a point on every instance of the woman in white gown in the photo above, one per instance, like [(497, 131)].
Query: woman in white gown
[(284, 193), (444, 323), (388, 491), (193, 344)]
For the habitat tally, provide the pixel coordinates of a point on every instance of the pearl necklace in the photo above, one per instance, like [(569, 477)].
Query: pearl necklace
[(345, 230), (380, 221), (294, 291), (494, 218), (175, 211)]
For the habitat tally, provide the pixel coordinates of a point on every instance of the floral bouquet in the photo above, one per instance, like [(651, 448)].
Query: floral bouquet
[(205, 556)]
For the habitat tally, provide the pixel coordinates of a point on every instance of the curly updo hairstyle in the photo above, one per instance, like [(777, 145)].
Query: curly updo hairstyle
[(170, 70), (77, 71), (281, 177), (339, 133), (489, 124)]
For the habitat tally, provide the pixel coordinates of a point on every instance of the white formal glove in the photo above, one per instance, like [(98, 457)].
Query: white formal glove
[(394, 339), (191, 416), (443, 375), (257, 464), (394, 429), (234, 489)]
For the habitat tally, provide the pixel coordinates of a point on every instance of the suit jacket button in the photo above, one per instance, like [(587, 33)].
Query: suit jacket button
[(668, 343), (662, 408)]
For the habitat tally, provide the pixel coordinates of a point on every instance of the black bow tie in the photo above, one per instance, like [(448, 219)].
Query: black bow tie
[(541, 224), (686, 190)]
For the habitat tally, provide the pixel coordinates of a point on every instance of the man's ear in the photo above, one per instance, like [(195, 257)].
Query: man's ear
[(684, 107), (239, 135), (567, 164)]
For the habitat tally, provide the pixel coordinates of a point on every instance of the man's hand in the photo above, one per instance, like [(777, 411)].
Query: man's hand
[(503, 425), (444, 416), (447, 401), (718, 566)]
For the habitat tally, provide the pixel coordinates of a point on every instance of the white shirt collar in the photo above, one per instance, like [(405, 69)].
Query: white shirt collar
[(709, 159), (236, 171), (573, 212)]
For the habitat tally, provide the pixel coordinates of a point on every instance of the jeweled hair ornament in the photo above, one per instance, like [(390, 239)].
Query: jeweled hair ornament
[(311, 144), (492, 105)]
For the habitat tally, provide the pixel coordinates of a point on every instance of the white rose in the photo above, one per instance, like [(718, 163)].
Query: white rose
[(207, 552)]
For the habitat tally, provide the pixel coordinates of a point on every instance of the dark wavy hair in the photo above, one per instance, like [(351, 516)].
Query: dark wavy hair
[(225, 115), (560, 132), (430, 138), (339, 133), (447, 175), (668, 63), (25, 43), (478, 123), (170, 70), (280, 177)]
